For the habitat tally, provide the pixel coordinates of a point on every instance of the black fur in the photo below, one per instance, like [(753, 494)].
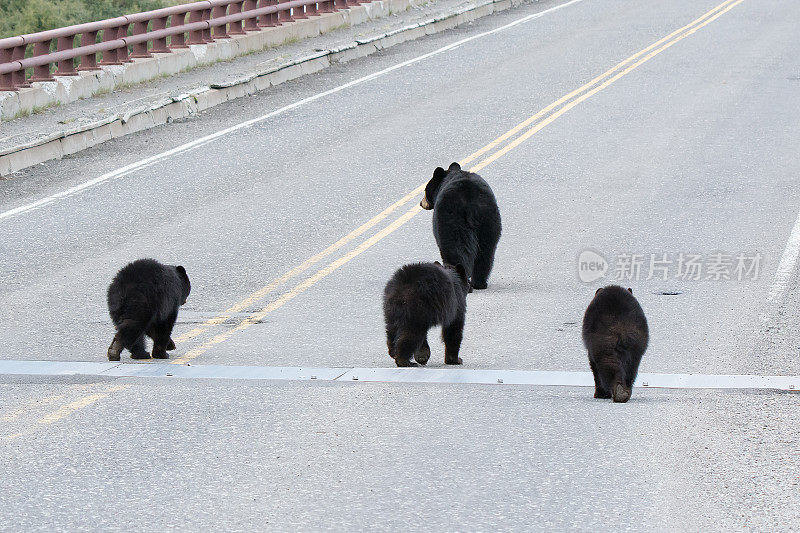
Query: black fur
[(418, 297), (615, 334), (466, 221), (143, 299)]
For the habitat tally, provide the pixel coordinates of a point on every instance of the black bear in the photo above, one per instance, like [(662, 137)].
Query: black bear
[(615, 334), (466, 221), (143, 299), (416, 298)]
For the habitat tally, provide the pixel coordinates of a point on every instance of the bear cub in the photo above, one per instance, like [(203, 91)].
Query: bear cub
[(615, 334), (466, 221), (416, 298), (143, 299)]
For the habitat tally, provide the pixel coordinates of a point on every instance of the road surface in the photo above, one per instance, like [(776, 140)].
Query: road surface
[(641, 131)]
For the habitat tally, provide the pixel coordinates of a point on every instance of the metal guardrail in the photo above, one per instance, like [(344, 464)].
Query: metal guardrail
[(207, 21)]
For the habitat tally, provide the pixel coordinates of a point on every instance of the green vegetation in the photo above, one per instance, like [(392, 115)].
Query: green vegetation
[(18, 17)]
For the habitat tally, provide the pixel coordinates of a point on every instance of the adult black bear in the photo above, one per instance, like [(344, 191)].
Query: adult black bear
[(416, 298), (143, 299), (466, 221), (615, 334)]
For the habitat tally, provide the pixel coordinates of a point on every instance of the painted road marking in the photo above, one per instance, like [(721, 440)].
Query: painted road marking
[(68, 409), (255, 318), (383, 375), (56, 368), (146, 162), (308, 263), (607, 74), (784, 273), (609, 77)]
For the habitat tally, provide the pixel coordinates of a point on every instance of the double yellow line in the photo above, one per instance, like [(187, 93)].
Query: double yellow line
[(99, 392), (497, 148)]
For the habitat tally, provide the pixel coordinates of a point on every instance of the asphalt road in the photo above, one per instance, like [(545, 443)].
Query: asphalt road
[(690, 151)]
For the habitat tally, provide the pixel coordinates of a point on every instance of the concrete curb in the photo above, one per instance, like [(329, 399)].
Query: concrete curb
[(184, 105)]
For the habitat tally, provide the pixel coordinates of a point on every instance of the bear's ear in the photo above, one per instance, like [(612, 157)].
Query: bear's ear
[(598, 291), (432, 188), (453, 167), (462, 273), (182, 271), (629, 290), (438, 263)]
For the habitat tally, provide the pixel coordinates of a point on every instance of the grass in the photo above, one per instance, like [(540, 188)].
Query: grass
[(19, 17)]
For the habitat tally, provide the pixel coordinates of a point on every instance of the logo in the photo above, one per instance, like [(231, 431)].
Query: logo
[(591, 266)]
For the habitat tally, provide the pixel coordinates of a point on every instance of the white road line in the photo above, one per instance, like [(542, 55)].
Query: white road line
[(143, 163), (785, 271), (389, 375)]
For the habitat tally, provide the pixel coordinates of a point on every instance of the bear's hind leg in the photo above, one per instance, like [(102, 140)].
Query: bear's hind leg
[(130, 334), (482, 269), (170, 344), (613, 376), (484, 257), (423, 353), (405, 346), (115, 349), (138, 350), (391, 335), (162, 332), (600, 391), (452, 335)]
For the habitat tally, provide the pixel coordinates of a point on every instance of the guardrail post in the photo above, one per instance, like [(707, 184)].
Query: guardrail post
[(177, 40), (42, 72), (160, 45), (284, 15), (196, 36), (235, 28), (122, 52), (140, 49), (89, 61), (250, 24), (299, 12), (311, 10), (207, 38), (219, 31), (18, 77), (66, 67), (6, 80), (110, 56), (265, 21)]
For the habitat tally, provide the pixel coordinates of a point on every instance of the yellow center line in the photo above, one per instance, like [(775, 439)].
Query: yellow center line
[(528, 134), (648, 53), (68, 409), (311, 261), (8, 416), (533, 118), (290, 295)]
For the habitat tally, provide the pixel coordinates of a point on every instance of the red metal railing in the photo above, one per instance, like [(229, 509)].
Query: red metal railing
[(141, 34)]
